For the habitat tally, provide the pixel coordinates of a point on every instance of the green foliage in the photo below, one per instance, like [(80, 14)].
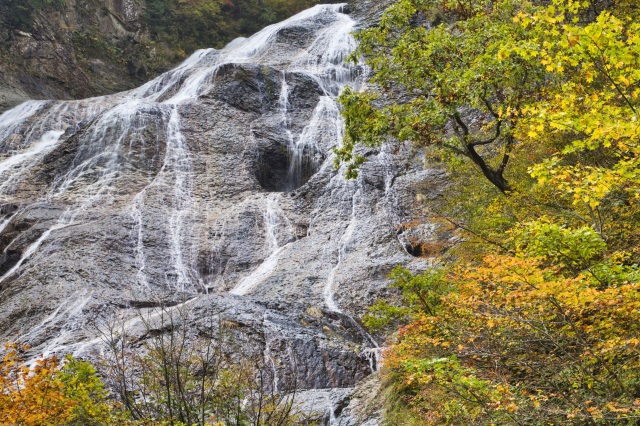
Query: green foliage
[(194, 376), (464, 386), (18, 14), (168, 380), (89, 45), (52, 392), (576, 249), (382, 314), (421, 294), (364, 124), (82, 385), (53, 4), (538, 322), (446, 86)]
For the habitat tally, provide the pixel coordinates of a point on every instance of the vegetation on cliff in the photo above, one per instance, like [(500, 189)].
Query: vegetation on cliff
[(189, 25), (170, 379), (63, 49), (534, 318)]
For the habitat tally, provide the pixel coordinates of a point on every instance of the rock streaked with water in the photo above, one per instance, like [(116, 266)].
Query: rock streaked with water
[(213, 183)]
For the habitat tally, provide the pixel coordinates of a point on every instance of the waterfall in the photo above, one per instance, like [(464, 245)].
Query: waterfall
[(14, 118), (177, 158), (329, 291), (48, 140), (324, 62), (371, 351), (130, 165)]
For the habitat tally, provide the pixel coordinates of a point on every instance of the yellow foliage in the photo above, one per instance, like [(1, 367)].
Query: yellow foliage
[(542, 329), (32, 396)]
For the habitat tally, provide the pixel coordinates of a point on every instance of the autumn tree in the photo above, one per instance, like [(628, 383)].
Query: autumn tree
[(51, 392), (540, 324), (589, 114), (181, 373), (438, 79)]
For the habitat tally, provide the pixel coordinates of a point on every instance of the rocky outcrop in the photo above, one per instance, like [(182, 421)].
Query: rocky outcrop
[(69, 49), (211, 186), (72, 49), (368, 12)]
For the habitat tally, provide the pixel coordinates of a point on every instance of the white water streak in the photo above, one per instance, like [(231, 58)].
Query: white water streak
[(29, 252), (273, 218), (175, 179), (329, 289), (68, 318), (182, 209), (48, 140), (323, 61), (11, 120), (115, 125), (6, 222)]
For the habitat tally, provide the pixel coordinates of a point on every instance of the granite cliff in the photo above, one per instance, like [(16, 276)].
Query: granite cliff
[(213, 187)]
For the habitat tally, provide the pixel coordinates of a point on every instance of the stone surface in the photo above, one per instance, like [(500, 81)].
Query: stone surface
[(212, 184), (60, 52)]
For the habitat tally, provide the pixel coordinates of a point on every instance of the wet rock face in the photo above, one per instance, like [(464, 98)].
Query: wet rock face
[(213, 183)]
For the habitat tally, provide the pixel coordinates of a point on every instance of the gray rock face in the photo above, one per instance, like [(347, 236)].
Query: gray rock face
[(213, 183), (11, 95), (56, 54), (344, 406), (368, 12)]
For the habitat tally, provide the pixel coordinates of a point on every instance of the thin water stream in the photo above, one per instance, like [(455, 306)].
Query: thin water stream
[(114, 133)]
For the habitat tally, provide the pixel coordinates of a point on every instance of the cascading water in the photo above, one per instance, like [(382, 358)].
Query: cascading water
[(329, 292), (273, 219), (12, 119), (371, 350), (212, 183)]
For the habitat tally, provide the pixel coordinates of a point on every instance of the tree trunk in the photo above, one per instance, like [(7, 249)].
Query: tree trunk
[(495, 177)]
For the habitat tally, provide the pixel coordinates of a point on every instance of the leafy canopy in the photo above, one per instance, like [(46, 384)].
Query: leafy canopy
[(539, 323), (52, 392), (444, 85)]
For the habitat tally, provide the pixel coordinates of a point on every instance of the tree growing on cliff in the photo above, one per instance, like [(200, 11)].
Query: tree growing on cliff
[(174, 375), (183, 374), (546, 331), (438, 80), (52, 392)]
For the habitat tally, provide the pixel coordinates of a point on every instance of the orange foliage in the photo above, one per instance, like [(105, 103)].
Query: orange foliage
[(519, 337), (32, 396)]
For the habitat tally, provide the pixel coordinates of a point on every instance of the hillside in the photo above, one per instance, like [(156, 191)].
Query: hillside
[(72, 49), (533, 316)]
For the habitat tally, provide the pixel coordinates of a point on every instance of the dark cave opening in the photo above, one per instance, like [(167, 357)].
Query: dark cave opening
[(281, 168)]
